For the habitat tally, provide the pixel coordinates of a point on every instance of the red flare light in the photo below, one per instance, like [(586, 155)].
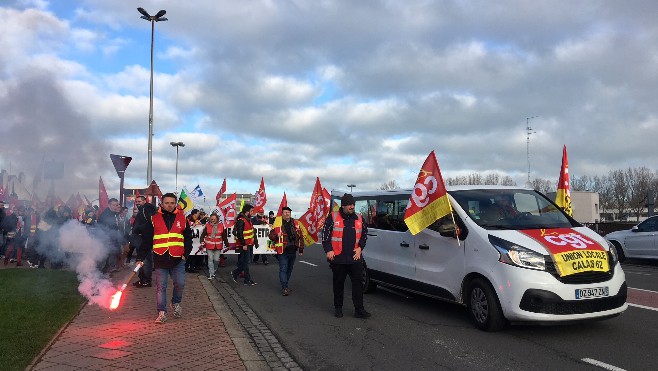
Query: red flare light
[(116, 298)]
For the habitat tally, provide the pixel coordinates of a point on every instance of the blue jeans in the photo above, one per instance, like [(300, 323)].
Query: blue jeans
[(243, 263), (146, 272), (161, 277), (286, 261), (213, 259)]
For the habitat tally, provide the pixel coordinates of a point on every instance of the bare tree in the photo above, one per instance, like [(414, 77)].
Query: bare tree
[(603, 187), (543, 185), (583, 183), (390, 185), (639, 182), (619, 193), (492, 179), (508, 181), (475, 179)]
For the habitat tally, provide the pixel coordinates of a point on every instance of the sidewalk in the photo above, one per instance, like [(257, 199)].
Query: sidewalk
[(207, 337)]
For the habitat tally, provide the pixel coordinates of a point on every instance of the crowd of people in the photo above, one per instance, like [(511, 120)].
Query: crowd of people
[(161, 240)]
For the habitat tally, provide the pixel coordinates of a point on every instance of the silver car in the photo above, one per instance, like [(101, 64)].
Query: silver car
[(641, 241)]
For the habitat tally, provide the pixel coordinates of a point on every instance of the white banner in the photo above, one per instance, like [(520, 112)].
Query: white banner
[(262, 233)]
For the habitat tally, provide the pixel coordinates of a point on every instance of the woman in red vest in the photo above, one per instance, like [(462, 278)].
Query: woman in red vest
[(213, 238)]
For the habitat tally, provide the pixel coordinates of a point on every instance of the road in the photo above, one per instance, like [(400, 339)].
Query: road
[(411, 332)]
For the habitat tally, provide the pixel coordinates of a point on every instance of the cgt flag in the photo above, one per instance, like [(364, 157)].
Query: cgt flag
[(221, 192), (319, 205), (261, 197), (103, 199), (429, 198), (563, 197), (185, 203)]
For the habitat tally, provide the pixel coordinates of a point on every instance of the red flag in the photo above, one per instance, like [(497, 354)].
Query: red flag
[(429, 198), (103, 199), (261, 197), (278, 221), (227, 208), (309, 231), (319, 205), (137, 194), (563, 196), (87, 202), (222, 189)]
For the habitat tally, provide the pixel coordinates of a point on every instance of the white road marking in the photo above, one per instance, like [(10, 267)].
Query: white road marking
[(305, 262), (642, 306), (602, 364), (641, 274), (633, 288)]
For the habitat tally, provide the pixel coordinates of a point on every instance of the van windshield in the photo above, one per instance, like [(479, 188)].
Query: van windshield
[(511, 209)]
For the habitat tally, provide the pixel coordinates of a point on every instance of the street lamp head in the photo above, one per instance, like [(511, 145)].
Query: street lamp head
[(157, 17), (177, 144), (144, 13), (160, 13), (161, 19)]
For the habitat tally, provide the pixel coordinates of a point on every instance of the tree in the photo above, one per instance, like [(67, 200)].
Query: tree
[(640, 180), (619, 192), (390, 185), (543, 185)]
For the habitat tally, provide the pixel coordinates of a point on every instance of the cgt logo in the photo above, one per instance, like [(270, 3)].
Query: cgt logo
[(574, 240), (421, 194)]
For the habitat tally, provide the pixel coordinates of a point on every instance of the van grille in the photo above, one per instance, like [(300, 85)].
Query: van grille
[(540, 301), (579, 278)]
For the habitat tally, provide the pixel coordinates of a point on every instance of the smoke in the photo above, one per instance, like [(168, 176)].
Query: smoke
[(84, 250)]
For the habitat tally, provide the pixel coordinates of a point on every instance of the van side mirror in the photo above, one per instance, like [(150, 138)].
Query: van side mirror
[(448, 230)]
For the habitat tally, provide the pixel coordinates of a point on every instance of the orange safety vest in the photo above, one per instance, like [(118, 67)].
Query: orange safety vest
[(33, 224), (281, 237), (337, 233), (247, 233), (169, 240), (214, 243)]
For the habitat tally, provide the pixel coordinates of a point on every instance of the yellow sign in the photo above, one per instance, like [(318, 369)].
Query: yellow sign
[(578, 261)]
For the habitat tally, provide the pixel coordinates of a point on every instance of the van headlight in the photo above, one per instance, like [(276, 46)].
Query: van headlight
[(612, 252), (519, 256)]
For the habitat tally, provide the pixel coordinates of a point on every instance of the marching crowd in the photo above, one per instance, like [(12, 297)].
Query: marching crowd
[(161, 240)]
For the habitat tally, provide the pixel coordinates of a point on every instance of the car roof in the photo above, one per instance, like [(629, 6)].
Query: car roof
[(379, 192)]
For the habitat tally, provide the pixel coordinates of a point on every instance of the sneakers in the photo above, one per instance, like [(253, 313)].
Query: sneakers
[(266, 262), (361, 313), (211, 277), (178, 310), (285, 292), (338, 313), (250, 283), (234, 277), (162, 317)]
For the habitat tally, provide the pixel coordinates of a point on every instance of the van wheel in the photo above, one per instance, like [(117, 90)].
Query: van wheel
[(483, 306), (368, 285), (620, 252)]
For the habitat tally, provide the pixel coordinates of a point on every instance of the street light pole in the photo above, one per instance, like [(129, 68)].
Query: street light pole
[(177, 144), (151, 18), (351, 186)]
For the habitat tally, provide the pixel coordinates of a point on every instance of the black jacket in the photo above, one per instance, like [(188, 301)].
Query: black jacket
[(346, 256), (165, 260)]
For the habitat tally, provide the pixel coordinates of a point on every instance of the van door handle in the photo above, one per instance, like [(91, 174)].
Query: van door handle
[(404, 244), (370, 234), (424, 247)]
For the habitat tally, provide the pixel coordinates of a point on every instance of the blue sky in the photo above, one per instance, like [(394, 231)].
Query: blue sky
[(353, 93)]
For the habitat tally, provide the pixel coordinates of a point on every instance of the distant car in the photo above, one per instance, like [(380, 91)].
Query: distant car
[(641, 241)]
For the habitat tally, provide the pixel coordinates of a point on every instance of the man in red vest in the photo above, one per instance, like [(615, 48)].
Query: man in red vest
[(170, 238), (245, 239), (343, 238)]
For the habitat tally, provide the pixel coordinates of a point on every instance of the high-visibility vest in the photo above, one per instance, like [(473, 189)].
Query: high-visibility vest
[(281, 236), (169, 239), (33, 224), (214, 243), (337, 233), (247, 233)]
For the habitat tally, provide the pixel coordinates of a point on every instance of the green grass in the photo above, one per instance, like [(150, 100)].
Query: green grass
[(34, 305)]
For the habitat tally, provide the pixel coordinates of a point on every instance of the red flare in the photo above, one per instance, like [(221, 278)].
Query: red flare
[(116, 298)]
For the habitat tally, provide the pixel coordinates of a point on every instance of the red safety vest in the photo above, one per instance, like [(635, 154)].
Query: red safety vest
[(33, 224), (214, 243), (281, 236), (247, 234), (337, 233), (169, 240)]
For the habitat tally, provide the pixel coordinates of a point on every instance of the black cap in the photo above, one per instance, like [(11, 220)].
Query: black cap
[(347, 199), (286, 208), (246, 208)]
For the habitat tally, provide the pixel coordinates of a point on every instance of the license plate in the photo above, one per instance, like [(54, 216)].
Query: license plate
[(594, 292)]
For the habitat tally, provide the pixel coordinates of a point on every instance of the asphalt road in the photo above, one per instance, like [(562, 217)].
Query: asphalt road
[(411, 332)]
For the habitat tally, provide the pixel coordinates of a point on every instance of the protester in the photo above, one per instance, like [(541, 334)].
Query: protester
[(46, 240), (287, 239), (245, 239), (343, 238), (2, 229), (260, 219), (169, 237), (124, 232), (143, 219), (192, 262), (129, 239), (108, 221), (14, 226), (214, 237)]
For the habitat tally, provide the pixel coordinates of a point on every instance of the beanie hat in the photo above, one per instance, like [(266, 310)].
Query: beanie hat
[(347, 199)]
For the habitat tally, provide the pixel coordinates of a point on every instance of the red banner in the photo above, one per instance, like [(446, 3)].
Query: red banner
[(261, 196)]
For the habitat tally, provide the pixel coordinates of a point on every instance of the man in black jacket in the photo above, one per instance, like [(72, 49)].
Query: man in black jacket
[(170, 238), (145, 211), (343, 238)]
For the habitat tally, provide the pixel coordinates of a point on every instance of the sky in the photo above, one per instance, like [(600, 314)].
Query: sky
[(350, 92)]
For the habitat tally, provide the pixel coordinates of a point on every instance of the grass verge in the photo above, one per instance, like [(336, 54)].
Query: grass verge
[(35, 304)]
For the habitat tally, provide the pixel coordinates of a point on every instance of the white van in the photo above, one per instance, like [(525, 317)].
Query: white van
[(518, 257)]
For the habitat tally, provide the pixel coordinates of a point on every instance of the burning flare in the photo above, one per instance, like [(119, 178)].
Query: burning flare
[(116, 298)]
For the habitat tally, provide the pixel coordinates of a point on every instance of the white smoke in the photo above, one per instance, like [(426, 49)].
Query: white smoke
[(86, 250)]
